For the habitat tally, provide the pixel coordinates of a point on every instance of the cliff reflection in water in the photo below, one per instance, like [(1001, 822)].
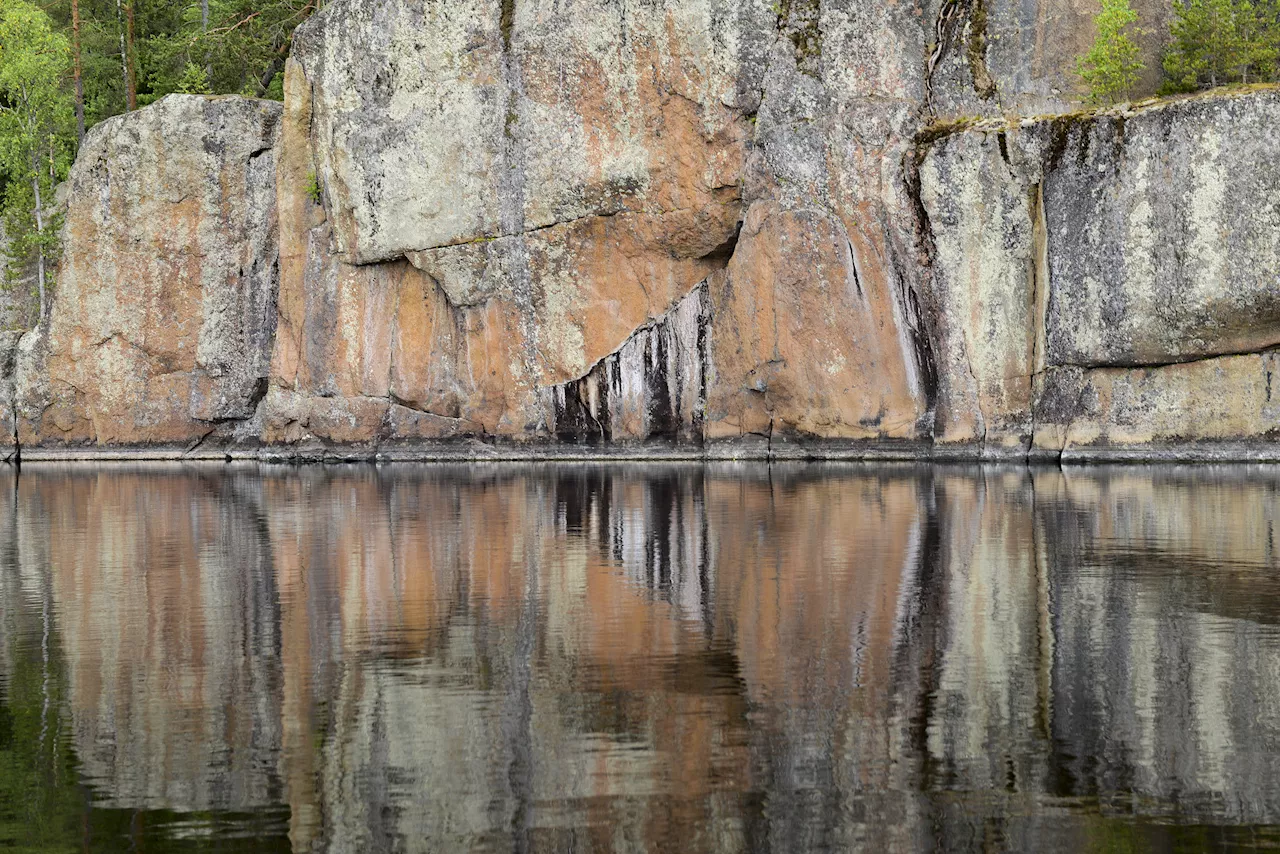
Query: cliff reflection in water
[(660, 659)]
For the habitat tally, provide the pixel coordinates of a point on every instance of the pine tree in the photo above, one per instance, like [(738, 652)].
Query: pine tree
[(1217, 42), (1113, 65)]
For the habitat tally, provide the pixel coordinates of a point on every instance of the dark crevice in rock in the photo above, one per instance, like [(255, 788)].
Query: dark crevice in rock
[(1173, 361), (493, 238), (925, 250), (853, 268), (195, 446), (1040, 289), (652, 388), (984, 85), (1002, 139), (723, 253), (944, 26), (507, 23)]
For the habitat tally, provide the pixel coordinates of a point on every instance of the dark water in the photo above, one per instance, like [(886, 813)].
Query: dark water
[(639, 659)]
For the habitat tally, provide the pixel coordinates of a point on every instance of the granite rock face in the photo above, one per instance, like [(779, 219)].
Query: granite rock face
[(709, 223), (801, 342), (1164, 233), (1111, 281), (8, 375), (166, 299), (512, 189)]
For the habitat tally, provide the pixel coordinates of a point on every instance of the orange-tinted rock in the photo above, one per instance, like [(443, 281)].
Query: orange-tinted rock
[(553, 191), (800, 344), (162, 327)]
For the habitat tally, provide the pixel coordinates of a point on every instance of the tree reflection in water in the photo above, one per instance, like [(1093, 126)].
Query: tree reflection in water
[(584, 658)]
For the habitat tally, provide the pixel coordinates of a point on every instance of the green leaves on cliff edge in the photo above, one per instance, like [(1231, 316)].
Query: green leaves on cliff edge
[(1217, 42), (1113, 65)]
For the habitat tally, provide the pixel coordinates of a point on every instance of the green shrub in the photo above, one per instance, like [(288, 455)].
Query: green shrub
[(314, 192), (1113, 65)]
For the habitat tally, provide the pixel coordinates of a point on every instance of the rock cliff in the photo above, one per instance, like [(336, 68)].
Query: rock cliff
[(1110, 284), (711, 226), (166, 299)]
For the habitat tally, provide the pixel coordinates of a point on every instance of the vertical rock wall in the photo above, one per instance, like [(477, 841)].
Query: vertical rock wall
[(1110, 285), (166, 294), (730, 223)]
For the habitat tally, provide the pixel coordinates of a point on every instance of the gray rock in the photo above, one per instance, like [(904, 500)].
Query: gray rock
[(164, 316), (1164, 232), (1078, 261)]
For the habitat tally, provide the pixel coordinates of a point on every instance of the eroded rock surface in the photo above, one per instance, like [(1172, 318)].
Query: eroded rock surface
[(707, 222), (8, 375), (165, 314), (1164, 233), (801, 343), (1109, 281)]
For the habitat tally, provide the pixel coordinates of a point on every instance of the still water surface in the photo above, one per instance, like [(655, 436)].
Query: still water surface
[(687, 659)]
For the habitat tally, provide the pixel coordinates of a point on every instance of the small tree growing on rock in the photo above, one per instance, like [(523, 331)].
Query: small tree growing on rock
[(1113, 65)]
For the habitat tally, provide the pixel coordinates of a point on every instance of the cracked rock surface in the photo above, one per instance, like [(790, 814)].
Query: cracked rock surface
[(1109, 281), (688, 222), (166, 295)]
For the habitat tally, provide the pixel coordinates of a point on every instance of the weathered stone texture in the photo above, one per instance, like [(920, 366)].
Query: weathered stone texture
[(8, 375), (988, 239), (676, 220), (1228, 400), (801, 343), (654, 387), (438, 123), (556, 178), (1077, 262), (1164, 232), (165, 310)]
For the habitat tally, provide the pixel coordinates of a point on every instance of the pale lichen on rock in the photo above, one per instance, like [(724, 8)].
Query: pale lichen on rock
[(724, 226)]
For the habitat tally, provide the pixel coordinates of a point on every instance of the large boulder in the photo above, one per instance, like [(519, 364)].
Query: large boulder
[(1089, 271), (162, 328), (1164, 232)]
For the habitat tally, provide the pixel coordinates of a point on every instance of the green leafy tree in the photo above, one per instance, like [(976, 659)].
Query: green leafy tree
[(1113, 65), (35, 116), (1217, 42)]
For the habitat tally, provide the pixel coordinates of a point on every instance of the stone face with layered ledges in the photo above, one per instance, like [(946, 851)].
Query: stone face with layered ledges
[(1109, 282), (713, 223)]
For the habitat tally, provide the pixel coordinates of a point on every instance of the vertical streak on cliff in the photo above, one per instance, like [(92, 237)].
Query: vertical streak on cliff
[(511, 184), (1039, 301), (1039, 276), (943, 28), (984, 85), (920, 322), (960, 24), (652, 387)]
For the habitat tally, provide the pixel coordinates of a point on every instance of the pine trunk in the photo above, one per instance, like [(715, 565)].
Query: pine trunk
[(131, 70), (40, 265), (124, 53), (77, 69)]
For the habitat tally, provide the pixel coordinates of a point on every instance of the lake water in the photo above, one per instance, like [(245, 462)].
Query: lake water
[(637, 658)]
